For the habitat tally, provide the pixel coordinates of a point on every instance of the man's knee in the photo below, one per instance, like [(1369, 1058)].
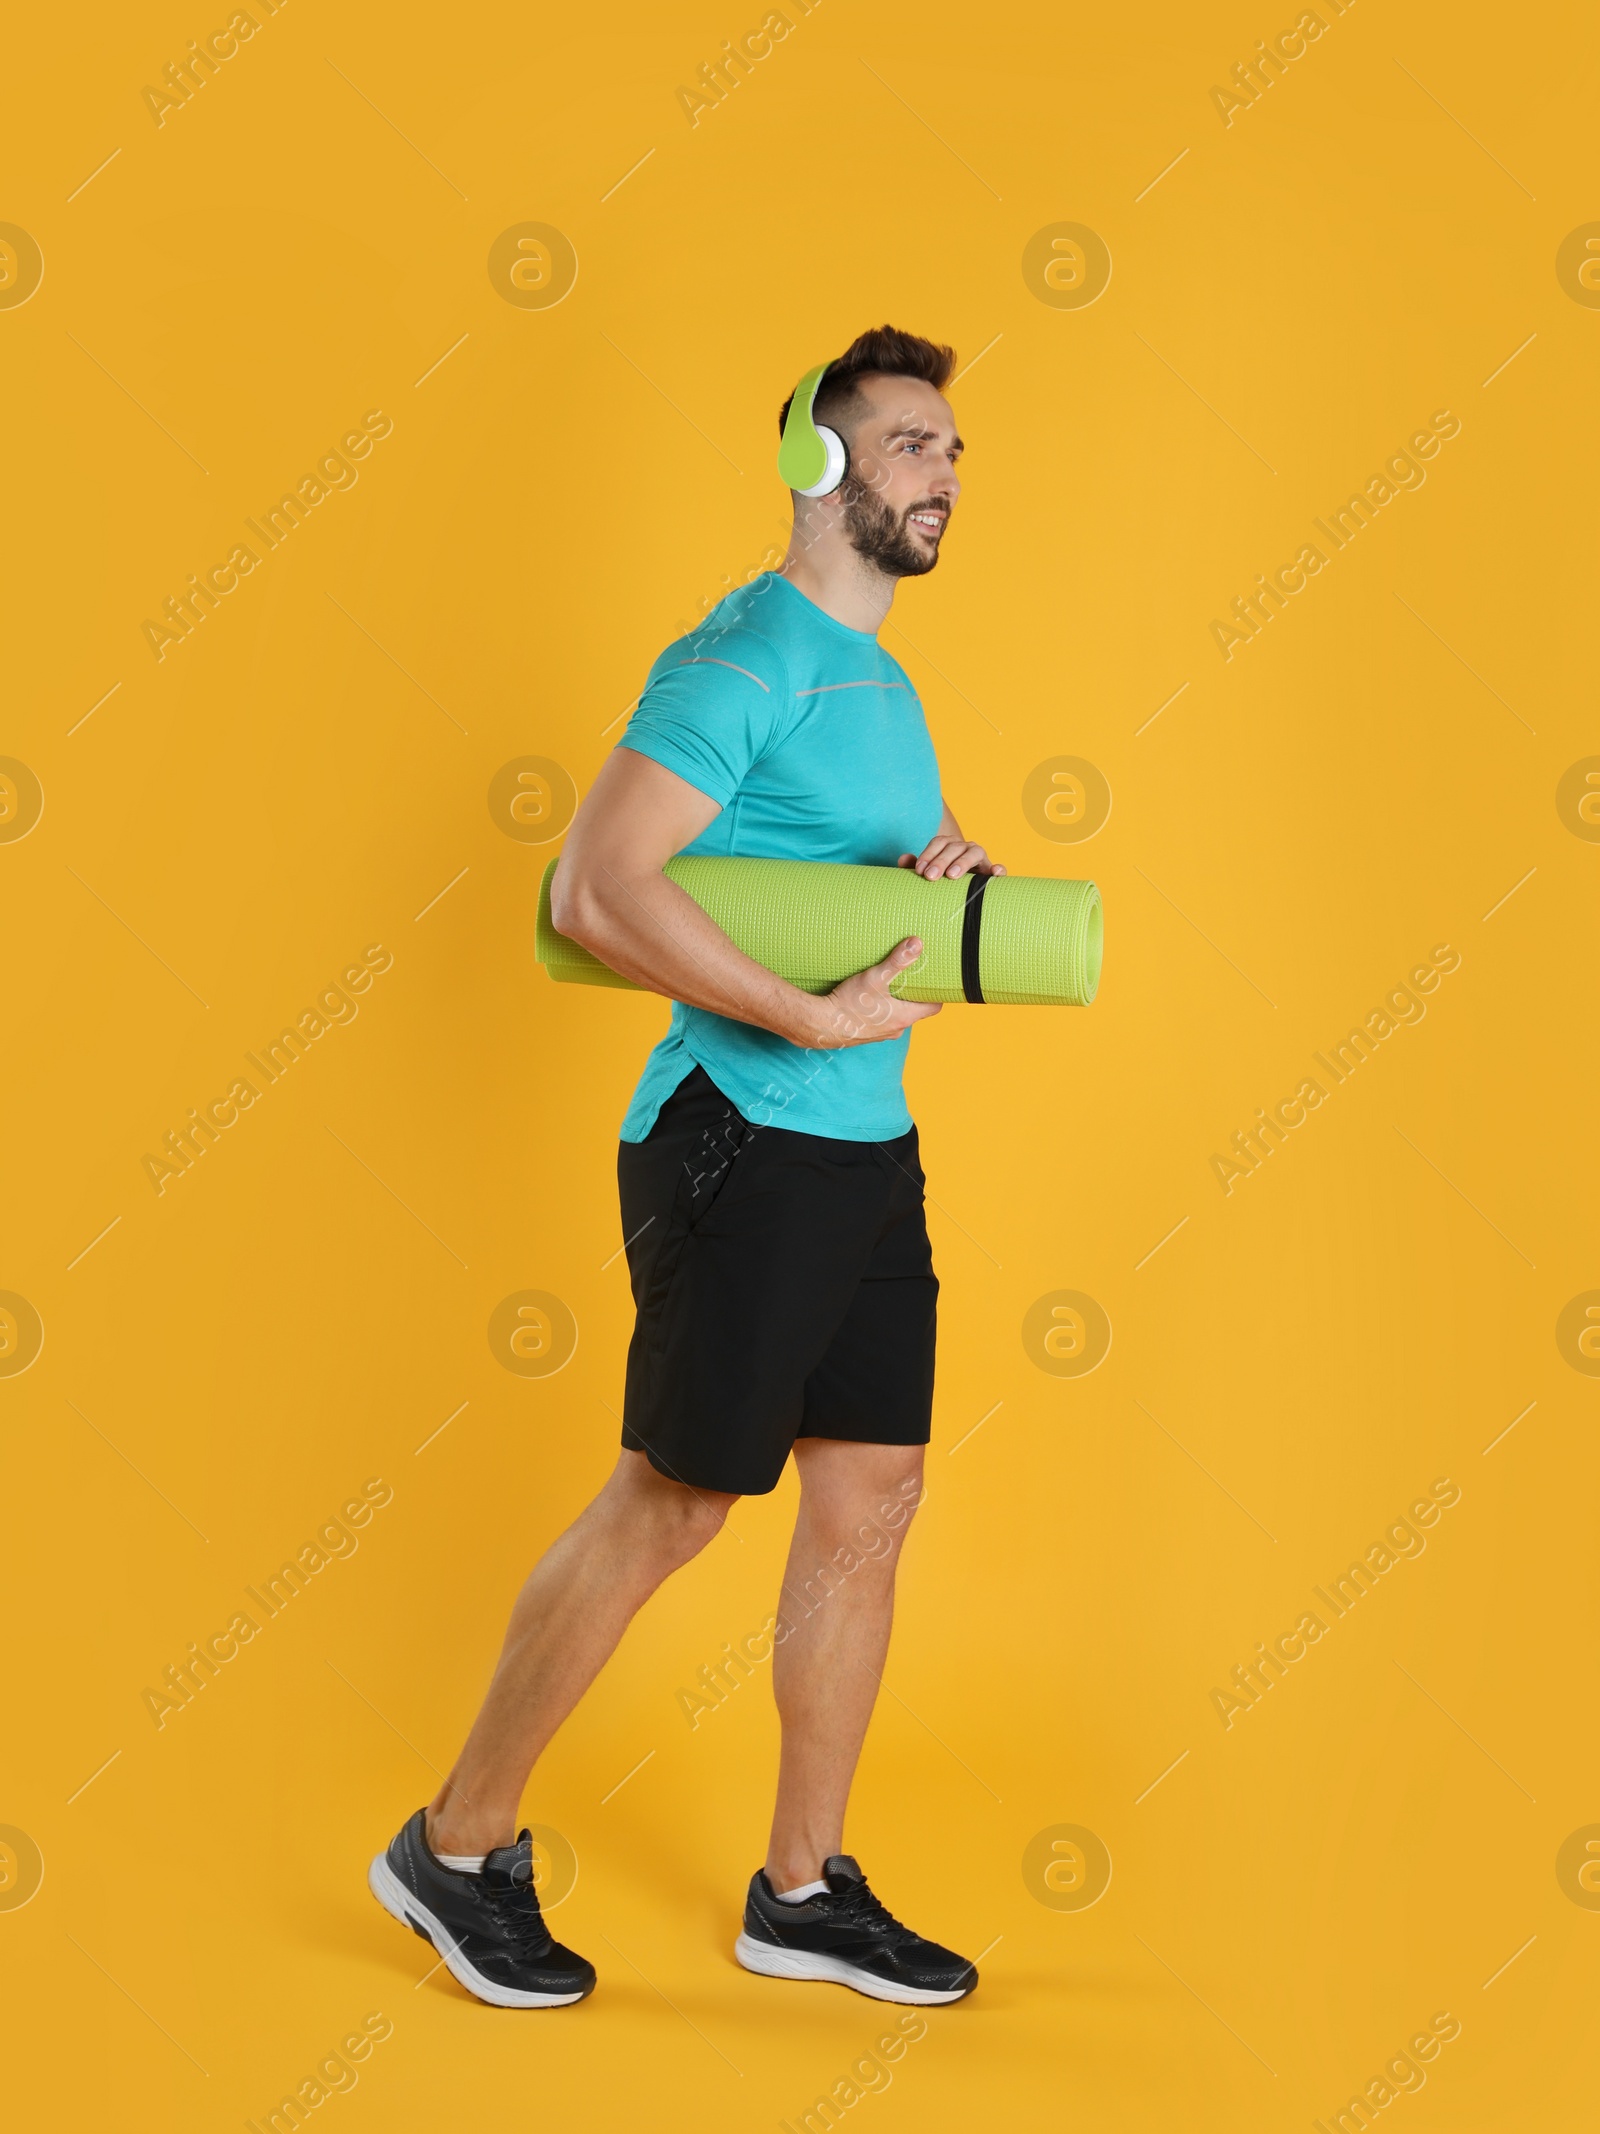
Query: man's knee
[(866, 1502), (687, 1521), (670, 1520)]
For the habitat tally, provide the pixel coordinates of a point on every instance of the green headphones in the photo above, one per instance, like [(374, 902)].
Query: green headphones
[(812, 459)]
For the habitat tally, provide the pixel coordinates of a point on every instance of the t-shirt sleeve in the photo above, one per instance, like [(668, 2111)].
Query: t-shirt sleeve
[(710, 711)]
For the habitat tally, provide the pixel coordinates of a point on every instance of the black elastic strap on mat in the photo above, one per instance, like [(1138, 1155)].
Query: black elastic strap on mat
[(971, 927)]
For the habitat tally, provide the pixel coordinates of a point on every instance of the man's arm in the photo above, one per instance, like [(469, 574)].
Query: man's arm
[(610, 894)]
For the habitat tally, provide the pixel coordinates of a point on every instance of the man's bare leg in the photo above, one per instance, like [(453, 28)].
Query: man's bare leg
[(568, 1620), (856, 1503)]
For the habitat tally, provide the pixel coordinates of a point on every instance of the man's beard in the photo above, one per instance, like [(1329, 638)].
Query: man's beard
[(881, 537)]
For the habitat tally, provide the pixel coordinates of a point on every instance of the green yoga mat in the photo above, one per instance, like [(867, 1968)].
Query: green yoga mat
[(1011, 940)]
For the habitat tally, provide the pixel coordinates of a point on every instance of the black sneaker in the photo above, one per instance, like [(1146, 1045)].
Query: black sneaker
[(487, 1927), (848, 1938)]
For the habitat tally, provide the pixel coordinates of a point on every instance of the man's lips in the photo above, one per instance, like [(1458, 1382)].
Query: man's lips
[(928, 521)]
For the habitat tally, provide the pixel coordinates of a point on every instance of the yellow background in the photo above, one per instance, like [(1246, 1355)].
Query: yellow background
[(305, 241)]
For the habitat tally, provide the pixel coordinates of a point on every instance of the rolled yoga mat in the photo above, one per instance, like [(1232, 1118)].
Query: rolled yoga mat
[(1011, 940)]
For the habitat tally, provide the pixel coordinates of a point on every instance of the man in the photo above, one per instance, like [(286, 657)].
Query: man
[(771, 1202)]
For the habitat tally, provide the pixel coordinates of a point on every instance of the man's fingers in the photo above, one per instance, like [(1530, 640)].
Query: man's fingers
[(905, 953), (866, 1011), (950, 857)]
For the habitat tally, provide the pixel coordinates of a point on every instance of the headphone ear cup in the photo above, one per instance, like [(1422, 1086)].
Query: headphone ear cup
[(838, 463)]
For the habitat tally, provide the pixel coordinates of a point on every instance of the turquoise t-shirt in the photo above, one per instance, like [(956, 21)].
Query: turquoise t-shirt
[(811, 740)]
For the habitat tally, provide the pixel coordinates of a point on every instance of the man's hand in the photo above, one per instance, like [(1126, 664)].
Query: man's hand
[(951, 855), (862, 1011)]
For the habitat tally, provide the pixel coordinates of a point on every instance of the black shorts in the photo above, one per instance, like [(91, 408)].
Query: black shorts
[(784, 1286)]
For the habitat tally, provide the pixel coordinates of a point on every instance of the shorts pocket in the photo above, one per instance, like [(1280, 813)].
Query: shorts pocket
[(902, 1160), (707, 1169), (704, 1170)]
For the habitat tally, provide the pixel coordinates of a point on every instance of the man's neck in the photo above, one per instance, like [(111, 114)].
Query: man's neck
[(834, 578)]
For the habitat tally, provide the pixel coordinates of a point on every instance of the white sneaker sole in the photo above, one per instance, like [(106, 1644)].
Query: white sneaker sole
[(772, 1962), (397, 1900)]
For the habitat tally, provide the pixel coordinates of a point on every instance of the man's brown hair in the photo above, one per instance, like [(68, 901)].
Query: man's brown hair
[(883, 350)]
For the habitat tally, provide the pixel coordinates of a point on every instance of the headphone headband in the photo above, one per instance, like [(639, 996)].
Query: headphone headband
[(811, 458)]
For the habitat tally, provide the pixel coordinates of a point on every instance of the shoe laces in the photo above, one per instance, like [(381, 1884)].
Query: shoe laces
[(515, 1909), (857, 1904)]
